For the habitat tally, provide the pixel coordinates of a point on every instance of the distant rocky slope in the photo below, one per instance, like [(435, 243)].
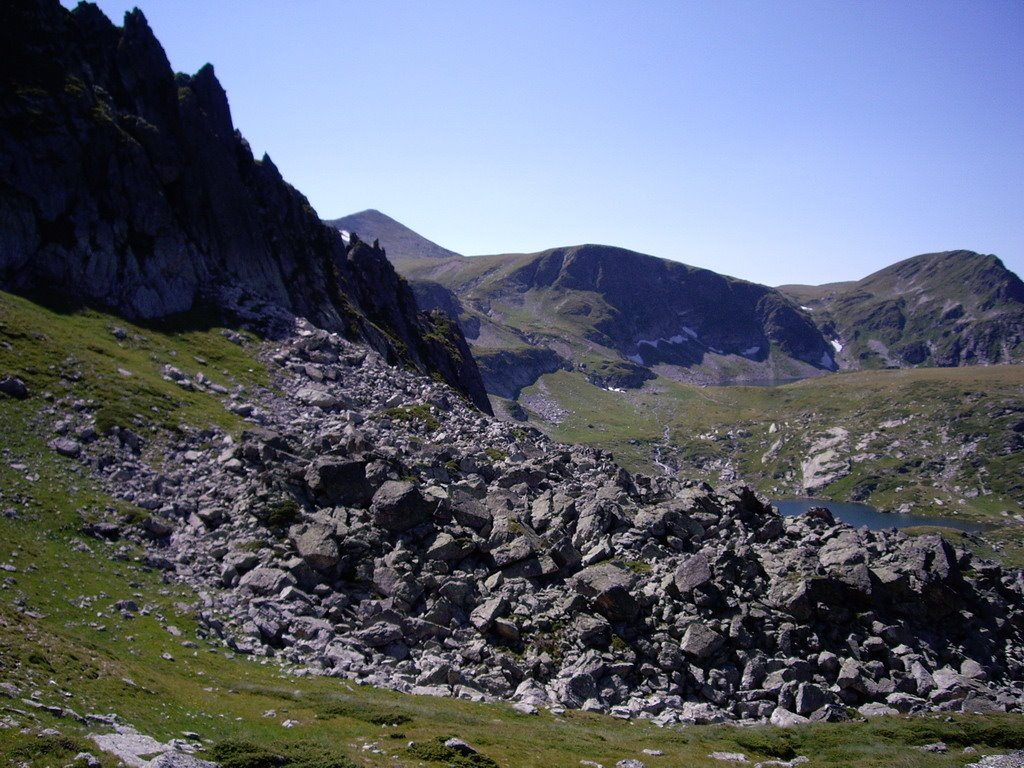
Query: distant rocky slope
[(945, 309), (403, 244), (618, 316), (127, 186), (369, 526)]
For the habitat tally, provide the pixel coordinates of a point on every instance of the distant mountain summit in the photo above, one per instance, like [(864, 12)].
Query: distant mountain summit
[(127, 186), (622, 318), (618, 316), (401, 242), (945, 309)]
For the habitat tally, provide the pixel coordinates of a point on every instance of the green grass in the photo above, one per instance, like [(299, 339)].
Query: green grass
[(122, 380), (418, 415), (63, 638)]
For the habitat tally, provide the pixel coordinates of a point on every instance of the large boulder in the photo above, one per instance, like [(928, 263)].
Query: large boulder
[(693, 573), (399, 505), (266, 581), (334, 481), (701, 641), (316, 544), (610, 586)]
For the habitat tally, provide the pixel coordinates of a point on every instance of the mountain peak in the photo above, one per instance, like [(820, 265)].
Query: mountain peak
[(401, 243)]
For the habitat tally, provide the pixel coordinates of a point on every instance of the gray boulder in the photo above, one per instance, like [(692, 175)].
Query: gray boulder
[(13, 387), (701, 641), (266, 581), (609, 585), (399, 505), (316, 545), (338, 482), (694, 572)]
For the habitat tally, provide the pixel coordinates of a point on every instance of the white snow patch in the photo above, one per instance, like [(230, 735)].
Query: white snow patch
[(346, 236), (686, 335), (827, 361), (636, 359), (806, 309), (836, 345), (751, 351), (615, 389)]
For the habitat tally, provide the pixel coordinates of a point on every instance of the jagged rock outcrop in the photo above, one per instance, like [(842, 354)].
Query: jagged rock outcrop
[(127, 186), (408, 541)]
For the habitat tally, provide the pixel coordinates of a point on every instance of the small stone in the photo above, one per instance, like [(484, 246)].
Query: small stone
[(13, 387), (460, 746), (729, 757), (65, 446), (630, 764)]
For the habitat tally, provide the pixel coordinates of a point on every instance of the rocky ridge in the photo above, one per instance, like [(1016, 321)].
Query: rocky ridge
[(372, 526), (938, 309), (127, 186)]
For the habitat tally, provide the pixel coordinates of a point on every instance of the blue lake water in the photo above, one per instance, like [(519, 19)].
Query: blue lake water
[(864, 514)]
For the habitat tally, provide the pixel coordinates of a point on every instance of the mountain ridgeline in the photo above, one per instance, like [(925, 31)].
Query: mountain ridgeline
[(623, 318), (127, 187), (945, 309), (618, 316)]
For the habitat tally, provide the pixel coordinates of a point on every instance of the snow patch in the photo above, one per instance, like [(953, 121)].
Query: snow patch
[(836, 345), (346, 236), (686, 335), (806, 309), (827, 361), (636, 359), (751, 351)]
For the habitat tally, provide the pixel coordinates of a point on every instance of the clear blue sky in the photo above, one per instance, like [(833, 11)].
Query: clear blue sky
[(776, 141)]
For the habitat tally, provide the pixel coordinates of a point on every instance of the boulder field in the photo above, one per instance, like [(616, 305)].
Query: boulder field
[(372, 525)]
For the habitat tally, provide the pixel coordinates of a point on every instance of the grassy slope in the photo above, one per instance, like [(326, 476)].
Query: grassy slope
[(954, 438), (60, 635)]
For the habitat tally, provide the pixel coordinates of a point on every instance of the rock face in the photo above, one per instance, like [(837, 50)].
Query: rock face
[(469, 557), (129, 187), (948, 309)]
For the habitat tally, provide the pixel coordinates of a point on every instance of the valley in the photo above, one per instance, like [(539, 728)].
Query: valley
[(938, 441), (134, 644), (284, 493)]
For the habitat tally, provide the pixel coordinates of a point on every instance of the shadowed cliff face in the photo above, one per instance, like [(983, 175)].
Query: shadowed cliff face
[(127, 186)]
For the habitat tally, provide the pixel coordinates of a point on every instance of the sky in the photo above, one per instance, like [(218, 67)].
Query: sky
[(793, 141)]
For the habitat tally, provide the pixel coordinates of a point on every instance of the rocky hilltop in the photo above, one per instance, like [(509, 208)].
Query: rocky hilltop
[(370, 526), (128, 187), (944, 309), (595, 306)]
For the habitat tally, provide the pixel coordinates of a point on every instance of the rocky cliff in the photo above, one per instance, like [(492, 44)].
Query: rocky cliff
[(127, 186)]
